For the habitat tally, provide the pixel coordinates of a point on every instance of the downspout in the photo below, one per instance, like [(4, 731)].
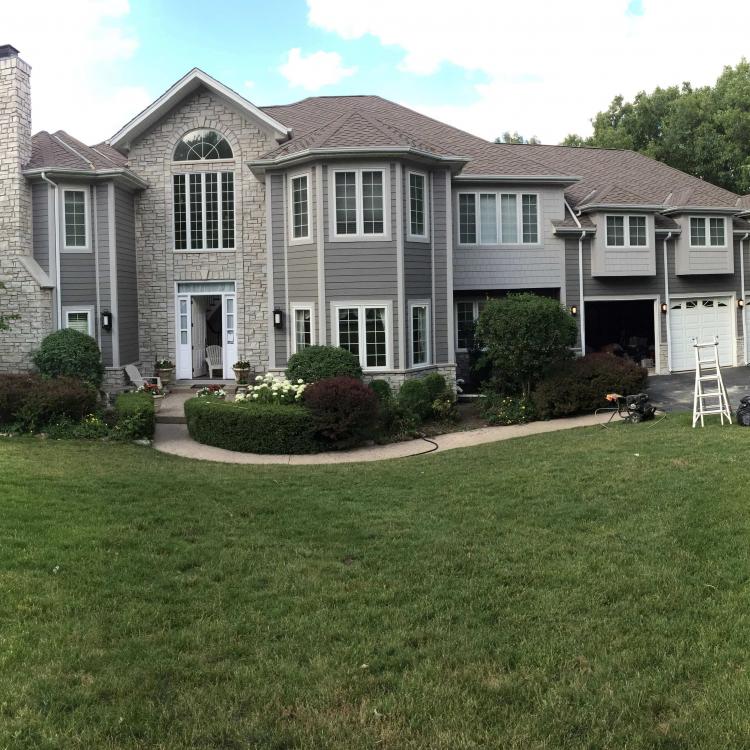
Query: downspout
[(666, 301), (55, 212), (742, 282), (581, 306)]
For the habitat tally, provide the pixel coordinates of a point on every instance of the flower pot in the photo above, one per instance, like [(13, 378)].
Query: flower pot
[(242, 374), (158, 400), (165, 375)]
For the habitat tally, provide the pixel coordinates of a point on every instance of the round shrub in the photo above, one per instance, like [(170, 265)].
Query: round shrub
[(581, 385), (436, 385), (14, 390), (382, 389), (344, 410), (414, 399), (316, 363), (70, 353), (251, 428)]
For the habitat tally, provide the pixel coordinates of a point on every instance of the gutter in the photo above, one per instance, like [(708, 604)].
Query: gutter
[(581, 303), (100, 174), (742, 283), (666, 300), (55, 218)]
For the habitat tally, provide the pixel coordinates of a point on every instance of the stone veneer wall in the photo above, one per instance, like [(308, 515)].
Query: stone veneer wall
[(159, 266), (22, 295)]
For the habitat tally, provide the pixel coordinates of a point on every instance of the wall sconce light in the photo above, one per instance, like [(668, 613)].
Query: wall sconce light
[(574, 310), (106, 321), (278, 318), (740, 303), (664, 307)]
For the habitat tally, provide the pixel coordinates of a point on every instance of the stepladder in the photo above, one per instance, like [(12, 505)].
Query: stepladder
[(710, 395)]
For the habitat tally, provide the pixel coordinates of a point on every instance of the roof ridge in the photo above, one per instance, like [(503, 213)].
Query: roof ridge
[(70, 148)]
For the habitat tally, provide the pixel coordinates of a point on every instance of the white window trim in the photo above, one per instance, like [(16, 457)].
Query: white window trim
[(306, 239), (498, 201), (73, 309), (360, 236), (428, 341), (362, 304), (708, 245), (86, 214), (626, 229), (425, 237), (475, 312), (302, 306), (188, 237)]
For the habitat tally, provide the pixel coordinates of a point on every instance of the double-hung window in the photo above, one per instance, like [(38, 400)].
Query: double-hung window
[(418, 207), (299, 204), (626, 231), (496, 218), (203, 204), (81, 320), (75, 219), (466, 318), (364, 330), (304, 328), (420, 333), (360, 203), (708, 232)]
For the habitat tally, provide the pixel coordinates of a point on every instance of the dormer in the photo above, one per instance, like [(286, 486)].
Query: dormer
[(705, 243)]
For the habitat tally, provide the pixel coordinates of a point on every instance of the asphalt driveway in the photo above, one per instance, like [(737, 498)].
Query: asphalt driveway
[(675, 392)]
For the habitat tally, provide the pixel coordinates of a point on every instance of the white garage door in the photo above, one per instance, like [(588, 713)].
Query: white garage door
[(701, 318)]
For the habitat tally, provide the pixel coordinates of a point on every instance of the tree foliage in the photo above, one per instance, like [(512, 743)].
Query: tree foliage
[(515, 137), (702, 131)]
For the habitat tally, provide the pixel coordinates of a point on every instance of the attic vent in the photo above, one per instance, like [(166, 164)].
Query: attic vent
[(8, 50)]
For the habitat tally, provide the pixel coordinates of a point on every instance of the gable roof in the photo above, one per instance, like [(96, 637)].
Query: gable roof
[(190, 82)]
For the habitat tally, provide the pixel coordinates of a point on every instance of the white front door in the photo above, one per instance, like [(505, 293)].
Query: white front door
[(184, 338), (701, 318)]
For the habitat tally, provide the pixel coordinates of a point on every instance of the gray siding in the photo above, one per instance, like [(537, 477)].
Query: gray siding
[(692, 261), (40, 223), (626, 261), (278, 239), (516, 266), (127, 278), (101, 205), (441, 194)]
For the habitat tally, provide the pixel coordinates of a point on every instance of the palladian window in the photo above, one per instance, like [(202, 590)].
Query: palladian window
[(202, 145)]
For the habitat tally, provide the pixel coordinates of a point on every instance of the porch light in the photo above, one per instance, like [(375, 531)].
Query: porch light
[(664, 307), (107, 321), (278, 318), (574, 310), (740, 303)]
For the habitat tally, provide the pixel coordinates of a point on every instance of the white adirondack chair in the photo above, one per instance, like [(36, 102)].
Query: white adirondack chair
[(137, 379), (214, 360)]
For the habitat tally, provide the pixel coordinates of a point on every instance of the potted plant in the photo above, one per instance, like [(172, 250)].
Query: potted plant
[(212, 391), (164, 369), (155, 392), (242, 371)]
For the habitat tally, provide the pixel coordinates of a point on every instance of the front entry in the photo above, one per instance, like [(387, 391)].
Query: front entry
[(205, 322)]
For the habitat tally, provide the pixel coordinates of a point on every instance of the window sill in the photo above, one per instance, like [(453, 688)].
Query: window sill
[(301, 241), (196, 252), (359, 238), (416, 238), (635, 248), (83, 250)]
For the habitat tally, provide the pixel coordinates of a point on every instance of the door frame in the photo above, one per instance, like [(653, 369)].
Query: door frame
[(655, 298)]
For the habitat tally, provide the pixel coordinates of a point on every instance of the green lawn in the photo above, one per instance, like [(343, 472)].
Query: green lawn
[(585, 589)]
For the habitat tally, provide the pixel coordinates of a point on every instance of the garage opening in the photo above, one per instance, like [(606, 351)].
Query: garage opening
[(624, 328)]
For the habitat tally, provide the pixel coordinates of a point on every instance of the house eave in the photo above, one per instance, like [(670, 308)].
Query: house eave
[(123, 175), (670, 210), (596, 207), (539, 179)]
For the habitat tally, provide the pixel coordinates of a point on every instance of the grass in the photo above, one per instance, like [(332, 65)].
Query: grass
[(586, 589)]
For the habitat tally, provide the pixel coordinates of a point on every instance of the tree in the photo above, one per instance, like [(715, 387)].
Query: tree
[(524, 336), (702, 131), (508, 137), (5, 319)]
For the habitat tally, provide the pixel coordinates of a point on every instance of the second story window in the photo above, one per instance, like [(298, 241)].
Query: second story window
[(202, 145), (203, 205), (300, 207), (707, 232), (626, 231), (360, 200), (75, 219), (417, 206), (493, 218)]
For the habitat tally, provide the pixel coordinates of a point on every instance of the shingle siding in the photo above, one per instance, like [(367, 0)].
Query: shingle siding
[(40, 225)]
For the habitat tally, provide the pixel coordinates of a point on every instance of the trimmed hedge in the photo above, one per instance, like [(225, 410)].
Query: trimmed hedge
[(135, 416), (414, 398), (580, 385), (316, 363), (251, 428), (70, 353)]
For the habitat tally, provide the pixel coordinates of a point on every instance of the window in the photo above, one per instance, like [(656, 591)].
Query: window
[(418, 206), (466, 318), (75, 219), (713, 235), (420, 334), (203, 205), (303, 328), (360, 199), (364, 330), (300, 205), (627, 231), (493, 218), (202, 145), (79, 320)]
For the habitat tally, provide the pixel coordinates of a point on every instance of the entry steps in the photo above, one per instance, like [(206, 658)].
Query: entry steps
[(702, 404)]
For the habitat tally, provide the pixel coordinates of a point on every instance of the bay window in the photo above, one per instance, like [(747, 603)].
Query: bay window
[(364, 330), (626, 231), (299, 203), (418, 207), (203, 204), (497, 218), (360, 205), (707, 232)]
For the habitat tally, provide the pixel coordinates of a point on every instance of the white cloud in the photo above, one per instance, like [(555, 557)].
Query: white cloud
[(73, 47), (550, 65), (249, 84), (314, 71)]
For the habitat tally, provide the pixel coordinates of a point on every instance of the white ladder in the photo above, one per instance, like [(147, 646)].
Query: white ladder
[(714, 400)]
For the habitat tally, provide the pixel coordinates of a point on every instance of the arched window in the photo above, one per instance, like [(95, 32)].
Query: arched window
[(201, 145)]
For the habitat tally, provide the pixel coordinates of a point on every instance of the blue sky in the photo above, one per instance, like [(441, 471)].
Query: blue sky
[(541, 67)]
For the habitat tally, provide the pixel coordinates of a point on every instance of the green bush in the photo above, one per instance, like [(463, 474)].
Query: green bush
[(48, 401), (251, 428), (316, 363), (135, 416), (91, 427), (499, 409), (580, 386), (70, 353), (436, 385), (414, 398), (14, 390), (382, 389)]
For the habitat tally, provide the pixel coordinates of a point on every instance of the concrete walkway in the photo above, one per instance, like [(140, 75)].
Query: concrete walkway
[(174, 439)]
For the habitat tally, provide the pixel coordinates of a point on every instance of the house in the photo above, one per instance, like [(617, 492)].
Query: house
[(346, 220)]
